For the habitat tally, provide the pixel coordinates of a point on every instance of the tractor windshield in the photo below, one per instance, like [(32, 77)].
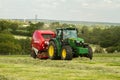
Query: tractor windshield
[(69, 34)]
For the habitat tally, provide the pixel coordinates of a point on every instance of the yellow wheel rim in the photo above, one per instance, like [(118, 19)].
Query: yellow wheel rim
[(64, 53), (51, 50)]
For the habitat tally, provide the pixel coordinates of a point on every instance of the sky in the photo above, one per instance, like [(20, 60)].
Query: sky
[(70, 10)]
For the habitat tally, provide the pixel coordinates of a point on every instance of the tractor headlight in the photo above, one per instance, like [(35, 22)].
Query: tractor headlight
[(79, 43), (82, 41)]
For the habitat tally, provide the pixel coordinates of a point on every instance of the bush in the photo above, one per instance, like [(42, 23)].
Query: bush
[(34, 27), (99, 49), (113, 49), (5, 25), (5, 36), (8, 44), (20, 32), (25, 45), (9, 48)]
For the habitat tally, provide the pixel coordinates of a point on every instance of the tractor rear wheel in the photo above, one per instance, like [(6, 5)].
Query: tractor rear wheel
[(52, 50), (66, 53), (90, 52)]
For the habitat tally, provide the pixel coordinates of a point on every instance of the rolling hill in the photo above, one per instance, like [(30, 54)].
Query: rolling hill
[(70, 22)]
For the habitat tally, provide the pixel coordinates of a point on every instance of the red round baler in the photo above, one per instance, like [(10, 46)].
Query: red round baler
[(40, 42)]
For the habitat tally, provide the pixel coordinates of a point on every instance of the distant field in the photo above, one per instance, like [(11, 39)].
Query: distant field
[(20, 37), (102, 67)]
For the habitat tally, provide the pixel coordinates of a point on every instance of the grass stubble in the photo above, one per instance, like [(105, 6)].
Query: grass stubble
[(102, 67)]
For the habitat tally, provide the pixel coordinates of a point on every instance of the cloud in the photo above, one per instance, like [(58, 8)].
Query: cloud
[(85, 4), (61, 9), (102, 4), (63, 0), (108, 1)]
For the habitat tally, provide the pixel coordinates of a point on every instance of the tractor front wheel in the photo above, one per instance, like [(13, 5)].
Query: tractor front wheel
[(90, 52), (66, 53), (52, 50)]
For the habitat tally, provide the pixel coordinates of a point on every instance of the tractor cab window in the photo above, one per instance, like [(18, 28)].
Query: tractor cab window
[(69, 34), (59, 32)]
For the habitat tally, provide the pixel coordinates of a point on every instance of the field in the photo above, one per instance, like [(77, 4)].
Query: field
[(102, 67)]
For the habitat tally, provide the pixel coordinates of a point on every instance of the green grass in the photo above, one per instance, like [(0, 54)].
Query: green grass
[(102, 67), (20, 37)]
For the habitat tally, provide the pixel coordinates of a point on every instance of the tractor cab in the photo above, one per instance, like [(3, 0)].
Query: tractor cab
[(65, 35)]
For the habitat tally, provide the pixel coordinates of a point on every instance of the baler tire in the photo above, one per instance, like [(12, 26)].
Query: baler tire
[(66, 53), (33, 54), (52, 51)]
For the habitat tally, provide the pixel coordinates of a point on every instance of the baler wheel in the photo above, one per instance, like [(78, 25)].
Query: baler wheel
[(33, 54)]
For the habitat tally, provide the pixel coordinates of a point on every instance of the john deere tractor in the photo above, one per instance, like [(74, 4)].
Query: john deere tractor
[(67, 45)]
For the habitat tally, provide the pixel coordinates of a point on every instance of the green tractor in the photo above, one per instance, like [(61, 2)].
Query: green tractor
[(67, 45)]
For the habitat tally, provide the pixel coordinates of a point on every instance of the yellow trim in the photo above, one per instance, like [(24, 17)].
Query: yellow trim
[(64, 53), (51, 50)]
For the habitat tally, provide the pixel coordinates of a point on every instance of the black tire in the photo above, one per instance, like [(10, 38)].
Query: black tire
[(90, 52), (52, 51), (66, 53), (33, 54)]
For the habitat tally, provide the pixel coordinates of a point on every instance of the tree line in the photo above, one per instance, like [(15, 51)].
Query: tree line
[(106, 37), (9, 45)]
